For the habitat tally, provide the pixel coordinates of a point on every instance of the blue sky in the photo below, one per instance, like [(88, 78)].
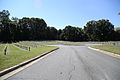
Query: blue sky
[(60, 13)]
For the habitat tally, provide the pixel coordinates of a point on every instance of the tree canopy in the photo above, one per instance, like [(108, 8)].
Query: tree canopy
[(16, 29), (119, 13), (101, 30), (72, 34)]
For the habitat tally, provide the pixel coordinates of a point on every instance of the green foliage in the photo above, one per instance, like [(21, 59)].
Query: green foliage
[(117, 34), (101, 30), (119, 13), (4, 16), (36, 29), (51, 33), (72, 34)]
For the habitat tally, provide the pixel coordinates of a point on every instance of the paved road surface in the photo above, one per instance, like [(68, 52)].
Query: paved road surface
[(72, 63)]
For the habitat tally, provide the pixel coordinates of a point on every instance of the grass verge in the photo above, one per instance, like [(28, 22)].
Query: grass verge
[(110, 48), (17, 55), (30, 43)]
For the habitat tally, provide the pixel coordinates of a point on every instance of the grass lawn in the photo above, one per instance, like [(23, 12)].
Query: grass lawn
[(110, 48), (16, 55), (51, 43)]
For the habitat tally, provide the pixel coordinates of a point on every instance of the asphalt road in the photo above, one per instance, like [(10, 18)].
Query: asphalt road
[(72, 63)]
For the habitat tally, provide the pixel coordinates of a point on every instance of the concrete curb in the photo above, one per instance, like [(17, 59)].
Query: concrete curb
[(6, 71), (106, 52)]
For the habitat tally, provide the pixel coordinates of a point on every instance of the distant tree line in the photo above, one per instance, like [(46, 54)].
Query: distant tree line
[(13, 30)]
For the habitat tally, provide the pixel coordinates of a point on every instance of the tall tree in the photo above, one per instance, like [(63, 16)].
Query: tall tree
[(101, 30), (72, 34), (119, 13), (36, 29), (5, 29), (52, 33), (117, 34), (90, 30)]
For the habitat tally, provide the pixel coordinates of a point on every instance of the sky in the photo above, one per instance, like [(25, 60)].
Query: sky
[(60, 13)]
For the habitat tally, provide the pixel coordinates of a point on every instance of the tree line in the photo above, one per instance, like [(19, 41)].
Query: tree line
[(13, 30)]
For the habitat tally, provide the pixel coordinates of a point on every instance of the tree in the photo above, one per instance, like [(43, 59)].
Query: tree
[(51, 33), (23, 28), (5, 29), (4, 16), (59, 34), (32, 28), (117, 34), (72, 34), (101, 30), (36, 29), (15, 20), (119, 13), (90, 30)]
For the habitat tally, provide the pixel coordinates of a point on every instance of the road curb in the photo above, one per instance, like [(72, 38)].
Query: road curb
[(106, 52), (8, 70)]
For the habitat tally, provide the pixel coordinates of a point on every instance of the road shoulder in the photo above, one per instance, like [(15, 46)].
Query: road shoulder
[(106, 52), (17, 68)]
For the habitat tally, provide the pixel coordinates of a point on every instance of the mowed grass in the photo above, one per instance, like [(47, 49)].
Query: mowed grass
[(52, 43), (110, 48), (17, 55)]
